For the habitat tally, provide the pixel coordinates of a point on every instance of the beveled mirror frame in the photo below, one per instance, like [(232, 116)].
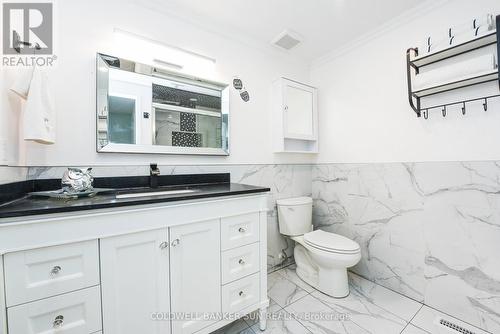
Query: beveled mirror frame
[(105, 62)]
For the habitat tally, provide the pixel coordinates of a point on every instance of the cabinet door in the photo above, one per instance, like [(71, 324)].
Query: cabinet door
[(195, 275), (300, 111), (134, 279)]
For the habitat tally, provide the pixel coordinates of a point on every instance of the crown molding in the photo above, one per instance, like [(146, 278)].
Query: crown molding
[(400, 20)]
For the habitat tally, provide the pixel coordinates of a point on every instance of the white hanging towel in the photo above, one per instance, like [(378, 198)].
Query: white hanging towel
[(39, 115), (22, 84)]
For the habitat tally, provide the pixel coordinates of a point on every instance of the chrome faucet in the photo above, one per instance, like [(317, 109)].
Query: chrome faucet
[(154, 172)]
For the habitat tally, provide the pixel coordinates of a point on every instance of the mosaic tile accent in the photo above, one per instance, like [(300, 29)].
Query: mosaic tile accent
[(187, 139), (188, 122)]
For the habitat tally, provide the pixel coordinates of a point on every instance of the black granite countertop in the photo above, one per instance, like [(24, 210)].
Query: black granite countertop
[(17, 202)]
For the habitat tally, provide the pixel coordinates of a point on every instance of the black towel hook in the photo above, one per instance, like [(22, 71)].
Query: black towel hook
[(485, 104), (426, 114), (463, 109), (444, 111)]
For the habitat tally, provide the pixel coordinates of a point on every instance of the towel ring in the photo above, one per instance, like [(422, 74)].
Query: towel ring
[(444, 111)]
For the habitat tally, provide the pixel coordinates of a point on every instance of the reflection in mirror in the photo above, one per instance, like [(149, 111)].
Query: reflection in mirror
[(142, 109), (121, 124)]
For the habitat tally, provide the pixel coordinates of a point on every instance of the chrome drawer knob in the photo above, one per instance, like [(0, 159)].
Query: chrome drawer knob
[(241, 293), (241, 262), (241, 230), (58, 321), (56, 270)]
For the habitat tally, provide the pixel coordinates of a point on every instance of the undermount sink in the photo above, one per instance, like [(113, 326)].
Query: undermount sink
[(150, 193)]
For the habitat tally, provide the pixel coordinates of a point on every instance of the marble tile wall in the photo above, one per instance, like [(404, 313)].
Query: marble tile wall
[(430, 231), (284, 180)]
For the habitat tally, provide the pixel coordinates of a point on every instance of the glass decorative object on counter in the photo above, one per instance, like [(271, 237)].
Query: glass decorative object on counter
[(76, 180)]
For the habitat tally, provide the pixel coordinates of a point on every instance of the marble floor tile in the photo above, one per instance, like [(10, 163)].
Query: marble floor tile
[(427, 319), (410, 329), (253, 317), (364, 312), (391, 301), (236, 327), (282, 322), (283, 291), (320, 319), (290, 274)]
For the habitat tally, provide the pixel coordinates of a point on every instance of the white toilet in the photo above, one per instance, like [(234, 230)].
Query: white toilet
[(322, 258)]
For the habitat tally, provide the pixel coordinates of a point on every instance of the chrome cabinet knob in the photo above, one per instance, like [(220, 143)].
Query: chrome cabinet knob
[(241, 262), (241, 230), (241, 294), (164, 245), (58, 321), (175, 243), (56, 270)]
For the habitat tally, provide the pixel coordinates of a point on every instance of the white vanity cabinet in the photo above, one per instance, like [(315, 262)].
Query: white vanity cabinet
[(195, 274), (295, 117), (168, 268), (134, 278)]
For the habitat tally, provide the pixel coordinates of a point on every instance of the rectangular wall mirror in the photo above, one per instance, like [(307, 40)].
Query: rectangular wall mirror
[(145, 109)]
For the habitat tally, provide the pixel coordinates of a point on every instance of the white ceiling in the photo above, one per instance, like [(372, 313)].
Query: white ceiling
[(324, 24)]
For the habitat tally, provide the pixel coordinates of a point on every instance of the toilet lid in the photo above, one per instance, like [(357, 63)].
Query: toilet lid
[(331, 242)]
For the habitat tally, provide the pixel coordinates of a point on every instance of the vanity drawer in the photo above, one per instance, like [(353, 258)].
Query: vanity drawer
[(43, 272), (77, 312), (240, 294), (239, 230), (240, 262)]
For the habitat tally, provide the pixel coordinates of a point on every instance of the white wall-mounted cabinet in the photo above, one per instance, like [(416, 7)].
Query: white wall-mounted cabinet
[(295, 117), (134, 269)]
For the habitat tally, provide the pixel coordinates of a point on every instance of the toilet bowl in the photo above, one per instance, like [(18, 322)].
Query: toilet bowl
[(322, 258)]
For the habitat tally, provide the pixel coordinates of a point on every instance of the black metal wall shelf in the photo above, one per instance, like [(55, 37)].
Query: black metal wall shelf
[(466, 82), (414, 62), (474, 44)]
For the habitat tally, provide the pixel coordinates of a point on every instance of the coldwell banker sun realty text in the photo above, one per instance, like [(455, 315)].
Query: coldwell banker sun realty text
[(28, 33)]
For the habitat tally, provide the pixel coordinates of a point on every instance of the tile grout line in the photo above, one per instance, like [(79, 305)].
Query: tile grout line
[(331, 308), (307, 294), (390, 289), (410, 321), (451, 316), (422, 303)]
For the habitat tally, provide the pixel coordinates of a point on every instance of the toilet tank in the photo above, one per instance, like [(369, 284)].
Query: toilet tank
[(295, 215)]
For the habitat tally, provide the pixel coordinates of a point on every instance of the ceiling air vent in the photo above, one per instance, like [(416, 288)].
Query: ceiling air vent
[(287, 40)]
